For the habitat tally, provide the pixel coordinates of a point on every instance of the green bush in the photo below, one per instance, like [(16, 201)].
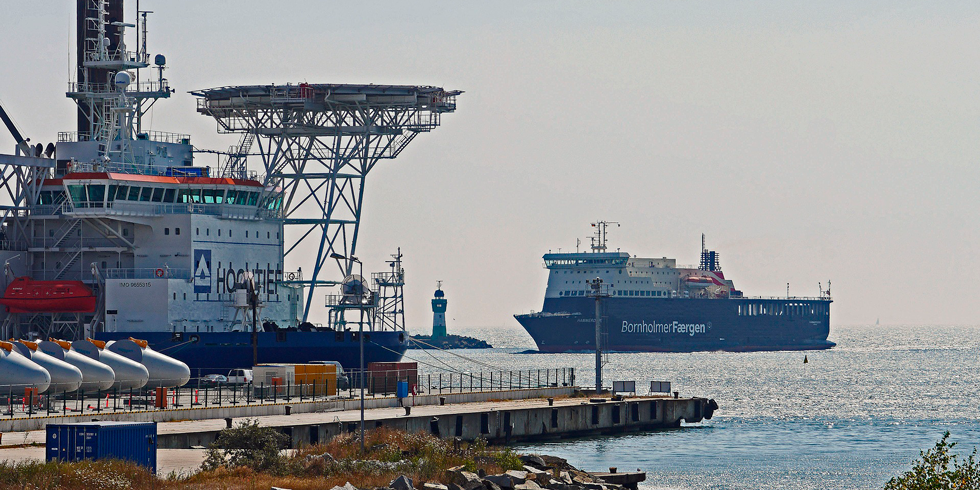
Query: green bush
[(939, 469), (247, 445)]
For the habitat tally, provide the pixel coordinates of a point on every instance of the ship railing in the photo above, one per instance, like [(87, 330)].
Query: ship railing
[(69, 243), (26, 401), (133, 88), (351, 301), (784, 298), (156, 136), (148, 273), (131, 208)]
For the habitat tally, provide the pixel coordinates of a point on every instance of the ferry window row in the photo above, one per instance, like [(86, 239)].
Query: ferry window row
[(783, 309), (207, 232), (617, 293), (613, 261), (94, 195), (640, 293)]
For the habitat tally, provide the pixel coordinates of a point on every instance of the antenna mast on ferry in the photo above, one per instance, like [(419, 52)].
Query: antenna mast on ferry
[(601, 235)]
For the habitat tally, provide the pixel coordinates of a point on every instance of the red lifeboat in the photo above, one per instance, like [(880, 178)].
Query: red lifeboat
[(698, 282), (25, 295)]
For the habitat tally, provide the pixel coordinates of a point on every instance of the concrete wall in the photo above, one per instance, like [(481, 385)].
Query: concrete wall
[(500, 426), (237, 411)]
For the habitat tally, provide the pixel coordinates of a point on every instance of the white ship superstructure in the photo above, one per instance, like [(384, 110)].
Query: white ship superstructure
[(115, 231)]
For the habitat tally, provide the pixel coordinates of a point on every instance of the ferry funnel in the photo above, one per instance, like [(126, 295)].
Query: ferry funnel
[(96, 376), (165, 371), (18, 372), (129, 374), (64, 376)]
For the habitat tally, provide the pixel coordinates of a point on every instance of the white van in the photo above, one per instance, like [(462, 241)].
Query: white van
[(240, 377)]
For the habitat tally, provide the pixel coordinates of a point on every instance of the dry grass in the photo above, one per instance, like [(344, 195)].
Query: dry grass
[(87, 475), (389, 453)]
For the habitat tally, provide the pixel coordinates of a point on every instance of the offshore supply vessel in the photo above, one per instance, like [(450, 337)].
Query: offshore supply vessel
[(116, 232), (654, 305)]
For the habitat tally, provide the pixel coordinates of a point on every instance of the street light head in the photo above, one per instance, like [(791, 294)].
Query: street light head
[(337, 256)]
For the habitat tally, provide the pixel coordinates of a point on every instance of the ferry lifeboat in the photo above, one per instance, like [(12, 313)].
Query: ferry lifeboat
[(25, 295), (698, 282)]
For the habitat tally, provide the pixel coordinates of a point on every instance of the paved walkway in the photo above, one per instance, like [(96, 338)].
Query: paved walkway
[(180, 461)]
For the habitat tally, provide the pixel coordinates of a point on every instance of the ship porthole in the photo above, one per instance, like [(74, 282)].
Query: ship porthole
[(195, 339)]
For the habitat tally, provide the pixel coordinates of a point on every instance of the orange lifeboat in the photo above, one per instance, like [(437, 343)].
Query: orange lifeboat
[(25, 295)]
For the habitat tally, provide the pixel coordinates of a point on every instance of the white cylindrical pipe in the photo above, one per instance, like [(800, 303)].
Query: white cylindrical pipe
[(165, 371), (129, 374), (64, 376), (96, 376), (18, 372)]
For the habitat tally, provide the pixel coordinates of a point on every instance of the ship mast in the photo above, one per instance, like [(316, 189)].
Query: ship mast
[(601, 235), (110, 105)]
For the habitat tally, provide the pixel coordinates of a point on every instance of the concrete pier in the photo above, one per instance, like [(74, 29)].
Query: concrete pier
[(498, 421), (35, 422), (491, 419)]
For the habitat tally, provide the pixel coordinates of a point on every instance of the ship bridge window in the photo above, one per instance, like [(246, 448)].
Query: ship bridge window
[(145, 194), (168, 195), (189, 196), (253, 198), (134, 194), (121, 192), (111, 195), (157, 194), (232, 197), (77, 193), (96, 195)]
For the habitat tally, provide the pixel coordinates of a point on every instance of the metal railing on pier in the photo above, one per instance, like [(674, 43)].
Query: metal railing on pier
[(214, 391)]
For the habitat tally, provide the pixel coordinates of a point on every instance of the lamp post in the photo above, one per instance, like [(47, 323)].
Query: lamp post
[(360, 334)]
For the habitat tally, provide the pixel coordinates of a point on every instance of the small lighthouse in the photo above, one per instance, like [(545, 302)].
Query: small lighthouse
[(439, 312)]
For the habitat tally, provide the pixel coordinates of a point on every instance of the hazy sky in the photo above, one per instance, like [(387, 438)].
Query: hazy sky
[(809, 140)]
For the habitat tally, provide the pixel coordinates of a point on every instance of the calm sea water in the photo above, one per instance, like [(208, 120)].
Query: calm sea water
[(852, 417)]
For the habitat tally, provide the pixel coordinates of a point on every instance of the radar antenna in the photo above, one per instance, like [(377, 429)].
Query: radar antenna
[(601, 235)]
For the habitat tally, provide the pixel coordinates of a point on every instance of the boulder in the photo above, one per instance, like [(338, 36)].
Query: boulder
[(500, 481), (434, 486), (401, 483), (517, 476), (536, 474), (347, 486), (489, 485), (461, 477), (528, 485), (533, 460)]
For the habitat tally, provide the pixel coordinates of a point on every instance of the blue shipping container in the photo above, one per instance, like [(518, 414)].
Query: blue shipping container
[(130, 441)]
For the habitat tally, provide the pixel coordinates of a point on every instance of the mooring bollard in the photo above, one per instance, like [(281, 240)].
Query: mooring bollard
[(677, 394), (228, 421), (551, 401), (442, 400), (408, 411), (289, 409)]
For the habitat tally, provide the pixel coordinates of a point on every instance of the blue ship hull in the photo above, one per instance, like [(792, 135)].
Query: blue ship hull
[(681, 324), (218, 352)]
